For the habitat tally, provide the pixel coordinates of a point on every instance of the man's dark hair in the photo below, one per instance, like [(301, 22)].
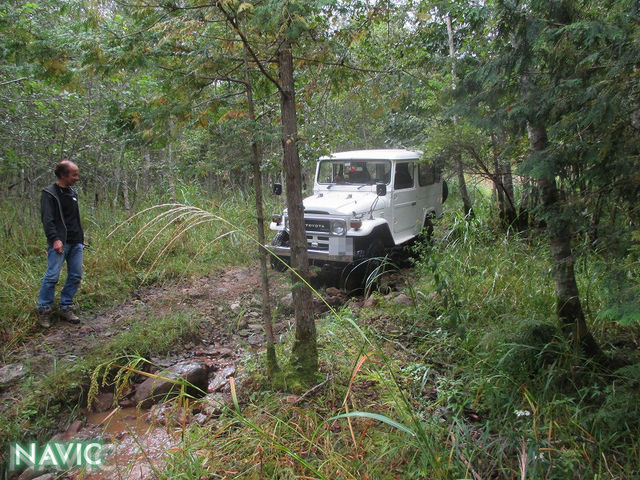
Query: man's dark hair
[(62, 168)]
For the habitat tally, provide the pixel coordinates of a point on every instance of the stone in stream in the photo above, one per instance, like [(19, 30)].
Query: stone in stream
[(103, 402), (220, 380), (31, 474), (403, 299), (10, 373), (156, 389)]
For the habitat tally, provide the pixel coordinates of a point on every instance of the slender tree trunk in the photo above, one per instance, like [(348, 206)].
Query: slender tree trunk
[(304, 353), (118, 175), (272, 361), (467, 208), (169, 168), (525, 204), (146, 169), (507, 182), (96, 185), (503, 181), (462, 183), (568, 306), (125, 191), (498, 187)]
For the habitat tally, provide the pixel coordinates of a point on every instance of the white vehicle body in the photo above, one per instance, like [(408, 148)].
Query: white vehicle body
[(347, 220)]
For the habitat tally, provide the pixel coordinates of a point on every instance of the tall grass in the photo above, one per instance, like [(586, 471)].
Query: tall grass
[(113, 265), (474, 380)]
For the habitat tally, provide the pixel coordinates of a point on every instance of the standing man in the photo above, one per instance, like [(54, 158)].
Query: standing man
[(61, 221)]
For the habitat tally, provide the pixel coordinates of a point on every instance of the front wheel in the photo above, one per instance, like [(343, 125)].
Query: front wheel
[(363, 275), (281, 239)]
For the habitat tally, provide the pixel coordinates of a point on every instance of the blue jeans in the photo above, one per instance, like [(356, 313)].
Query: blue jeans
[(73, 255)]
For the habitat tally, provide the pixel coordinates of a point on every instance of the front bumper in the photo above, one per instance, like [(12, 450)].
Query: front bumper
[(315, 256)]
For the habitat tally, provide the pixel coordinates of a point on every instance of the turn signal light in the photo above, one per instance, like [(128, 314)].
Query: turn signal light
[(355, 223), (277, 219)]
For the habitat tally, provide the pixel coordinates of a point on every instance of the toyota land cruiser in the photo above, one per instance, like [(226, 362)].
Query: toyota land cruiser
[(364, 203)]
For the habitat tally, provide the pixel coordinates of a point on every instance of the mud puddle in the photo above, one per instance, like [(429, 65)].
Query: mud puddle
[(119, 421)]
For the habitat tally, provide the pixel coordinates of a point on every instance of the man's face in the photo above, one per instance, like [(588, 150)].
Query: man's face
[(72, 176)]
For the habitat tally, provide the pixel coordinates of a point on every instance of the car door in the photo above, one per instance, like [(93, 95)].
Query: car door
[(405, 207)]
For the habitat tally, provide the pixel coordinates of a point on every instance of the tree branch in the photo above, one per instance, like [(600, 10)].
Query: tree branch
[(245, 41), (13, 81), (344, 65)]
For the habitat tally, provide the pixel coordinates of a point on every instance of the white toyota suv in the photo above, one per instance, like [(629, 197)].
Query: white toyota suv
[(364, 203)]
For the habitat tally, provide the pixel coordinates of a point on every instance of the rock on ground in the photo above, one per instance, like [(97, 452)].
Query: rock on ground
[(12, 372), (155, 389)]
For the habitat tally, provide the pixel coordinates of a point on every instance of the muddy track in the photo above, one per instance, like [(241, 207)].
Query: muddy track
[(222, 303), (228, 307)]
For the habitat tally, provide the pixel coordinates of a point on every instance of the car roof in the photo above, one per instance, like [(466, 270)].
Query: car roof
[(382, 154)]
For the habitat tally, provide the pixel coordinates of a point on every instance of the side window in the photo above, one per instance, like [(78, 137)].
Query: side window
[(426, 174), (404, 176)]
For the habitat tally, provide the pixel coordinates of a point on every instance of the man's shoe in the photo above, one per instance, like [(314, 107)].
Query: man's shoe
[(44, 318), (69, 316)]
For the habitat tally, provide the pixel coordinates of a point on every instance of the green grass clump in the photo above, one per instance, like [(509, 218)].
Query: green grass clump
[(521, 400)]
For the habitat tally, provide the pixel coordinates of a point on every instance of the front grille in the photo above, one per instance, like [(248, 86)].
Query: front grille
[(315, 225), (318, 242)]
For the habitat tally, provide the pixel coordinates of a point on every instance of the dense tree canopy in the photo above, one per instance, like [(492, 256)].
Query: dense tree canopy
[(147, 94)]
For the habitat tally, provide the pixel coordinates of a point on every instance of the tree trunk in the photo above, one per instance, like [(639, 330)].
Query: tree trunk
[(503, 181), (125, 191), (466, 203), (146, 170), (171, 179), (497, 185), (507, 182), (272, 361), (467, 208), (304, 356), (118, 174), (525, 204), (568, 306)]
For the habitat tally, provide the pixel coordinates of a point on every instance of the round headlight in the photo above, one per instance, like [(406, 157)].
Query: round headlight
[(338, 227)]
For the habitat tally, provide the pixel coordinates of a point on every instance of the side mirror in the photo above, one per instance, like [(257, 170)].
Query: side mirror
[(381, 189), (277, 189)]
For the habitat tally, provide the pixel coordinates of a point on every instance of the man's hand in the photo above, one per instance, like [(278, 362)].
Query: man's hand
[(57, 246)]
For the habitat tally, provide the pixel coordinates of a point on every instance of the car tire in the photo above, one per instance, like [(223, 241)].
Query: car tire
[(355, 276), (281, 239), (427, 227)]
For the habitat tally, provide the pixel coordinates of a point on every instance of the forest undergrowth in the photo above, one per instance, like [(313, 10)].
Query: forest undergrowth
[(473, 380)]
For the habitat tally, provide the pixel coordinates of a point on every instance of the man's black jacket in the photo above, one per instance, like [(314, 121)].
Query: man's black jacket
[(52, 216)]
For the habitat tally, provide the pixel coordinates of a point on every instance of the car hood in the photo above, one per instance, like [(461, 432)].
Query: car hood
[(342, 203)]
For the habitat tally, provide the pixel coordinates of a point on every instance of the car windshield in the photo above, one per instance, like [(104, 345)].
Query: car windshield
[(350, 172)]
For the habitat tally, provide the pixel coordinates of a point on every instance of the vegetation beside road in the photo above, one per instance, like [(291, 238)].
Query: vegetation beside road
[(474, 376), (114, 265), (473, 380)]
